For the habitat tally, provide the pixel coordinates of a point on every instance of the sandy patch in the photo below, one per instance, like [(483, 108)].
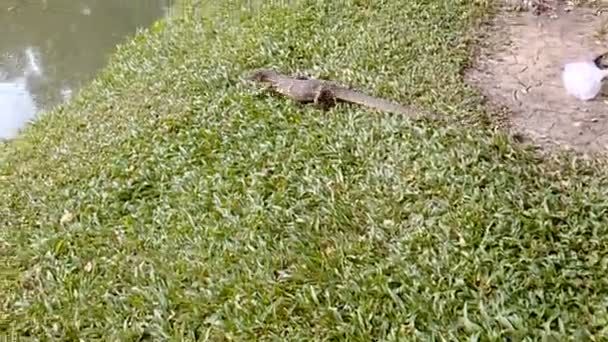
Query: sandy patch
[(519, 67)]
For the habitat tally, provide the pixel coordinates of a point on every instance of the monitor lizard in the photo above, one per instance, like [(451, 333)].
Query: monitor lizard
[(323, 94)]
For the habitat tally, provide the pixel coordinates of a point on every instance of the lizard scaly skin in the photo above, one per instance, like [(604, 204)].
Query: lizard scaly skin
[(322, 94)]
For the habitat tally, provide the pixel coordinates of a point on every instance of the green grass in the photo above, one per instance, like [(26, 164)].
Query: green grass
[(171, 201)]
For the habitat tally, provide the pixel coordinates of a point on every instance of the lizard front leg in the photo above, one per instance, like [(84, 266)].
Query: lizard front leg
[(325, 98)]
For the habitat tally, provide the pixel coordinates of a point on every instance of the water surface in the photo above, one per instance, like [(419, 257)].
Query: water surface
[(49, 48)]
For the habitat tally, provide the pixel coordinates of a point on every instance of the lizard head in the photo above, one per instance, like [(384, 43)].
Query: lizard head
[(264, 75)]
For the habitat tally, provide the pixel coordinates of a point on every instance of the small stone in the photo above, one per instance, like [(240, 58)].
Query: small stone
[(66, 218)]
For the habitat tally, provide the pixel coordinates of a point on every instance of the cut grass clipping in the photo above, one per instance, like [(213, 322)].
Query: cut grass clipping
[(171, 201)]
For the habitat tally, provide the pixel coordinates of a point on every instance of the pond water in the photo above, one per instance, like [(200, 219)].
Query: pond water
[(49, 48)]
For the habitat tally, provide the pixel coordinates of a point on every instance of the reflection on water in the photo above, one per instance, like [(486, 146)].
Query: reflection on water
[(17, 107), (49, 48)]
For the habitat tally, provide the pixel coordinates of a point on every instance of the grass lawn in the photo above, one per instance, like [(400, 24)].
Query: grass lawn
[(172, 201)]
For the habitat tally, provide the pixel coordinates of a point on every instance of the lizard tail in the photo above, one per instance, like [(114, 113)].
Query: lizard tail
[(372, 102)]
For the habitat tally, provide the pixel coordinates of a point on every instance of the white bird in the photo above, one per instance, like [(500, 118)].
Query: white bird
[(583, 80)]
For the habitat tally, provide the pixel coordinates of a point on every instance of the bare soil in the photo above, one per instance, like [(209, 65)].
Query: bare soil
[(519, 67)]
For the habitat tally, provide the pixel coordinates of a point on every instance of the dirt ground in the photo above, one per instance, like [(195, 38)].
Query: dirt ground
[(520, 64)]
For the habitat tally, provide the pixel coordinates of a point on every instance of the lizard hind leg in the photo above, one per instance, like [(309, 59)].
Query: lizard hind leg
[(325, 99)]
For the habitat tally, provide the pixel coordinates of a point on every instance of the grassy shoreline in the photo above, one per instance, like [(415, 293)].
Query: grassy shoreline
[(171, 201)]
